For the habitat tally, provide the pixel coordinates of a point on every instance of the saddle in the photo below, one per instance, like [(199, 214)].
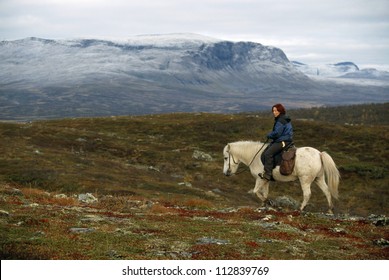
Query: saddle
[(286, 159)]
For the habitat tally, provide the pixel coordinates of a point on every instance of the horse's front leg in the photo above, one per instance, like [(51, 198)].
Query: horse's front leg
[(261, 189)]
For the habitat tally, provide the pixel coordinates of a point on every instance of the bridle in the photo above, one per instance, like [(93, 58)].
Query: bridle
[(229, 164), (248, 166)]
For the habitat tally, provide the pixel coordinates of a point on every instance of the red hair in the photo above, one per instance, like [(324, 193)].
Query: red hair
[(280, 108)]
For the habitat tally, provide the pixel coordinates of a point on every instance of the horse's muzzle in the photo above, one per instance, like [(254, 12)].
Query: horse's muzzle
[(228, 173)]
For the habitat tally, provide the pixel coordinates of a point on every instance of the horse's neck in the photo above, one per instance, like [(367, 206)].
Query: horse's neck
[(246, 151)]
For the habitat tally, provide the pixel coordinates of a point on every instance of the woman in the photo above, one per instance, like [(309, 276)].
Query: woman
[(281, 136)]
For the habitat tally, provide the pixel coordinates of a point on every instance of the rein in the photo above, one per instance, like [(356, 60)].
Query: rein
[(248, 166)]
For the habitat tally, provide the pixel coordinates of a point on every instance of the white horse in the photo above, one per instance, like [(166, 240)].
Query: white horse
[(311, 166)]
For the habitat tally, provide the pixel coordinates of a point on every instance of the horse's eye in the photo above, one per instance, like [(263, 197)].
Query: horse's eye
[(225, 158)]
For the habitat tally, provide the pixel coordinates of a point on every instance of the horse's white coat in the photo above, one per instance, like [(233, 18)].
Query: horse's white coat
[(311, 166)]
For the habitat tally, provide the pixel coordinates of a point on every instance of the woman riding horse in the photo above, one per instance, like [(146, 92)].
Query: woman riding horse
[(281, 136)]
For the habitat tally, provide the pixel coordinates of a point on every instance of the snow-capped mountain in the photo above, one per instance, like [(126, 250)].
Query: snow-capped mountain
[(368, 73), (41, 78), (341, 70), (170, 59)]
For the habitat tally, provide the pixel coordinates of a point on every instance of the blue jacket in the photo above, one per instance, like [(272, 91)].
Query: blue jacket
[(282, 129)]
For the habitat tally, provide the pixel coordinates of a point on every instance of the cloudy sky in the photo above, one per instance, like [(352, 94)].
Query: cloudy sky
[(315, 32)]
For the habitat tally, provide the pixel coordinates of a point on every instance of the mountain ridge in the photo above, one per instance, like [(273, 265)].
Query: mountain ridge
[(345, 69), (44, 78)]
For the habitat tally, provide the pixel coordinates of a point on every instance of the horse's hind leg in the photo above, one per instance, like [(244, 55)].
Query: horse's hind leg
[(320, 181), (306, 187), (306, 195)]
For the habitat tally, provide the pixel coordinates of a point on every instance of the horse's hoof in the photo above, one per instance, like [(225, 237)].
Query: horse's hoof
[(330, 212), (269, 202)]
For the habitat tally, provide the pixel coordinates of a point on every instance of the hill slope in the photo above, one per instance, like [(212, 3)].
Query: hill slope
[(156, 190)]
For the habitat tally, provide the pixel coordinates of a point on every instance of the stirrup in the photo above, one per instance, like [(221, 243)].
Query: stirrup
[(264, 176)]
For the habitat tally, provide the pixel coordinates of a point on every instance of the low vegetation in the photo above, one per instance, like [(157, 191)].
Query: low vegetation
[(154, 199)]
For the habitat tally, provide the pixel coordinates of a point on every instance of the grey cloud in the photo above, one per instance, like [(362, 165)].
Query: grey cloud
[(327, 30)]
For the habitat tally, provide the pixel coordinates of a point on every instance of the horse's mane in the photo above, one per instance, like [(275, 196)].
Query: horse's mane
[(247, 143), (246, 147)]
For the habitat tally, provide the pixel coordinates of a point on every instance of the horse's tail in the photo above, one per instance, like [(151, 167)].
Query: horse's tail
[(331, 172)]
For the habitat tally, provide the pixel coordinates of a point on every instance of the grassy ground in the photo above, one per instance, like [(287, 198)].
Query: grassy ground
[(155, 201)]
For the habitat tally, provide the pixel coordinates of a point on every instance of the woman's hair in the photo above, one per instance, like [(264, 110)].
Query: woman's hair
[(280, 108)]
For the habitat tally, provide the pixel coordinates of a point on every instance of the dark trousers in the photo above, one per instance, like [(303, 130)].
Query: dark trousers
[(268, 156)]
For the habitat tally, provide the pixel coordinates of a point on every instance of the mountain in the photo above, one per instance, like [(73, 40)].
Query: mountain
[(328, 70), (341, 70), (368, 73), (41, 78)]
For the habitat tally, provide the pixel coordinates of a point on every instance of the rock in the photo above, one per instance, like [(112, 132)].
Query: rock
[(113, 254), (269, 225), (266, 240), (266, 209), (229, 210), (201, 156), (87, 198), (152, 168), (217, 190), (92, 218), (293, 250), (381, 242), (286, 202), (33, 205), (207, 240), (4, 213), (338, 230), (122, 231), (267, 218), (186, 184), (13, 191), (61, 195), (81, 230), (147, 205), (211, 194), (379, 220)]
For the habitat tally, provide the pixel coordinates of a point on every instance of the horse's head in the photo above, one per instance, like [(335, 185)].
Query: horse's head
[(230, 165)]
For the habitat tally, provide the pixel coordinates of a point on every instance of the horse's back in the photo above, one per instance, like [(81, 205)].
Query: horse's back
[(310, 151), (308, 159)]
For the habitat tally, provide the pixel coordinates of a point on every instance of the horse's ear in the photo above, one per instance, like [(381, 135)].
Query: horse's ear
[(228, 148)]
